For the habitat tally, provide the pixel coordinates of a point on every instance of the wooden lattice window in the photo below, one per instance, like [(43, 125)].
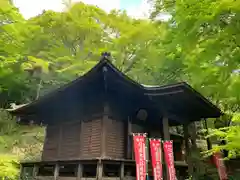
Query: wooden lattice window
[(46, 170), (111, 170), (68, 170), (89, 170)]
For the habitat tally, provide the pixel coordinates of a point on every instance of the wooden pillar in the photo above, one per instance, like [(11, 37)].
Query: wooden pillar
[(165, 123), (195, 153), (166, 136), (129, 139), (56, 171), (99, 170), (193, 134), (122, 171), (35, 170), (103, 138), (209, 144), (182, 150), (59, 147), (79, 172), (81, 152), (21, 172), (187, 149)]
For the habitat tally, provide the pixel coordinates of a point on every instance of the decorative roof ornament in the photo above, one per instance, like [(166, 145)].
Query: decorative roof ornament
[(15, 106), (105, 55), (142, 114)]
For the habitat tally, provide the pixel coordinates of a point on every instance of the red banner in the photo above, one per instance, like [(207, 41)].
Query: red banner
[(139, 142), (169, 159), (156, 154), (217, 157)]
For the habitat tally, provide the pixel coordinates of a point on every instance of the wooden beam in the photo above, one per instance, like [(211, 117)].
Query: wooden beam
[(163, 93)]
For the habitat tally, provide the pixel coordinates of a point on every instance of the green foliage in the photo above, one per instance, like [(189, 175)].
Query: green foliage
[(8, 13), (53, 48), (46, 51), (205, 53), (230, 135), (24, 142), (9, 167), (203, 35), (199, 44)]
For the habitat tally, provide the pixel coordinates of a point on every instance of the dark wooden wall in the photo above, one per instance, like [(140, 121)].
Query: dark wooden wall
[(69, 144), (62, 142), (102, 137), (114, 138), (91, 138), (50, 147), (73, 141)]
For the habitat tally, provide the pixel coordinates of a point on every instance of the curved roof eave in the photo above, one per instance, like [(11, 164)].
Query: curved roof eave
[(103, 62), (178, 88)]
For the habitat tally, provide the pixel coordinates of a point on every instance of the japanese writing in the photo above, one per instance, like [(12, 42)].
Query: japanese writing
[(155, 146), (168, 149), (140, 156)]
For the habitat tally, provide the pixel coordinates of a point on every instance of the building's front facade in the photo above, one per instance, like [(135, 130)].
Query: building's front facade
[(91, 120)]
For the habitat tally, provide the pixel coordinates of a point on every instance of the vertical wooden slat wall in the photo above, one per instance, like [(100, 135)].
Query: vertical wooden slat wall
[(69, 148), (62, 142), (50, 148), (67, 142), (115, 139), (91, 138)]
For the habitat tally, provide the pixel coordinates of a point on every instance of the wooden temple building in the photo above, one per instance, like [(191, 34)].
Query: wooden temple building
[(89, 124)]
